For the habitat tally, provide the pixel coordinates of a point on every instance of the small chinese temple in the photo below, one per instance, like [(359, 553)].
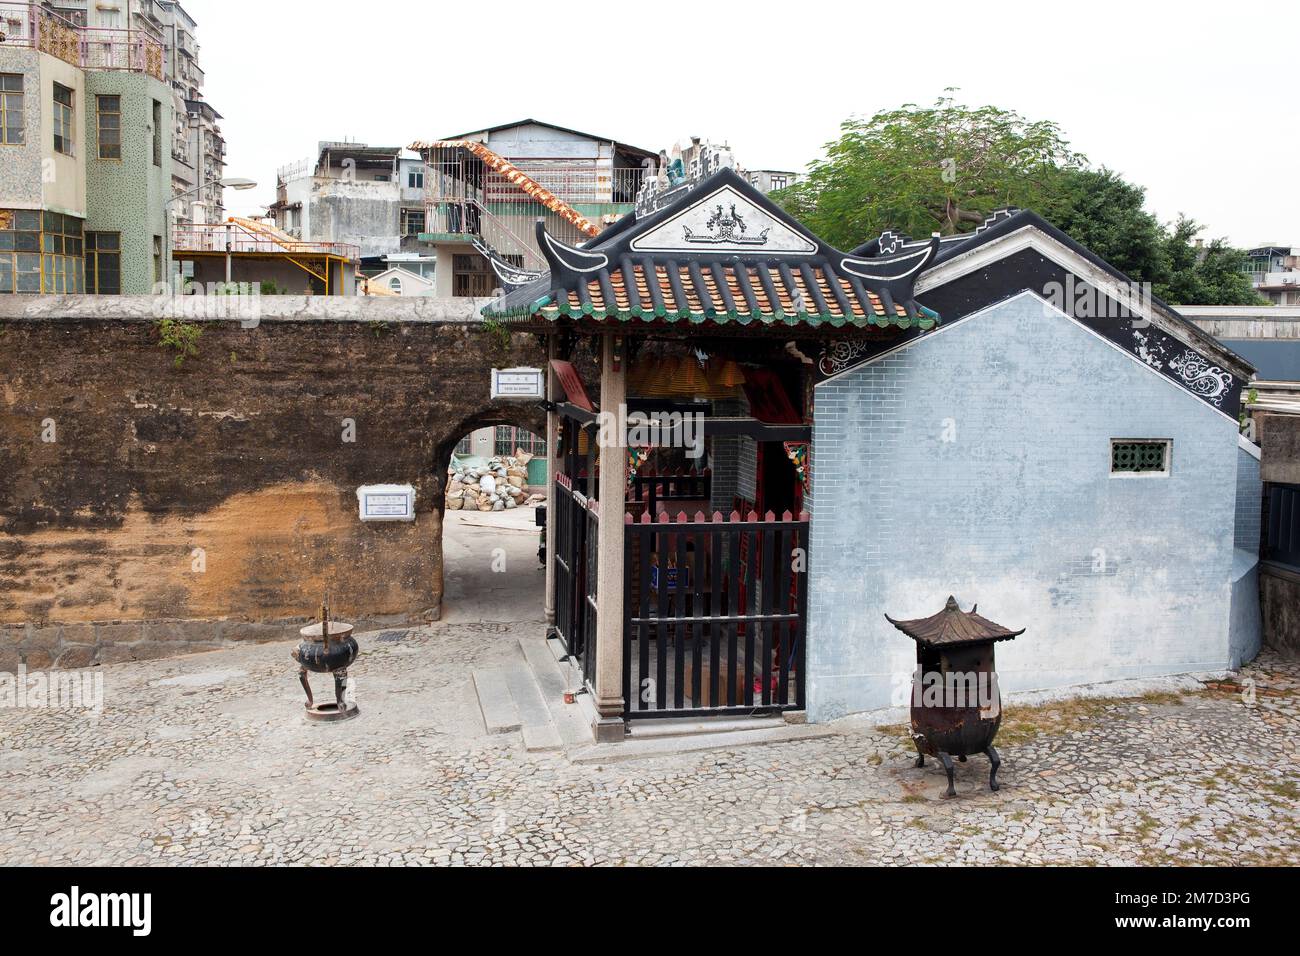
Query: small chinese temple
[(785, 440)]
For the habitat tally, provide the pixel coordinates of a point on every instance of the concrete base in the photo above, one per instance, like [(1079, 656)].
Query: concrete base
[(609, 730)]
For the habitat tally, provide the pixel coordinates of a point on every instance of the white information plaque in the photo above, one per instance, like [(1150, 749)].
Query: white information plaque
[(386, 502), (518, 383)]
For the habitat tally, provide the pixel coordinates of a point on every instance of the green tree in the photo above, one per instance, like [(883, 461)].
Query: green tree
[(927, 169), (946, 167), (1203, 275), (1100, 211)]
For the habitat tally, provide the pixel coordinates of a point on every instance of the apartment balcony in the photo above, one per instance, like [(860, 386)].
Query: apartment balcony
[(1276, 280), (30, 25), (222, 237)]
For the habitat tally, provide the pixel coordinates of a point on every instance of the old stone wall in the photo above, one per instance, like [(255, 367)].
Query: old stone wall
[(149, 509), (1279, 588)]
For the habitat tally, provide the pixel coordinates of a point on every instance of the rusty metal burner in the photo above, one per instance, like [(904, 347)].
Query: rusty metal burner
[(327, 647), (956, 705)]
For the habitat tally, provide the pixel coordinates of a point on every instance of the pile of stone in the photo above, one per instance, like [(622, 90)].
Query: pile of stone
[(494, 485)]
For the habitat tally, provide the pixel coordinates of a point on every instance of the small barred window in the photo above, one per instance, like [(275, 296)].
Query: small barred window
[(1128, 457)]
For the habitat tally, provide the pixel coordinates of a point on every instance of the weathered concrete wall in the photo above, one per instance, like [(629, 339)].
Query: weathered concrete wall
[(145, 504), (363, 213), (1003, 496), (1280, 607), (1245, 321), (1279, 438)]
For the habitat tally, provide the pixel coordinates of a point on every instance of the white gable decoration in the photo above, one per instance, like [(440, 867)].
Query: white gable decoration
[(727, 222)]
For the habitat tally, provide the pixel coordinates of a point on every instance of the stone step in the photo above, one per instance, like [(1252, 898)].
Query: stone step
[(496, 702), (645, 729), (647, 747), (552, 680), (539, 732)]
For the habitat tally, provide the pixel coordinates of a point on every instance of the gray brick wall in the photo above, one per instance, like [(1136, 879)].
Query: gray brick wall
[(1250, 491), (977, 463)]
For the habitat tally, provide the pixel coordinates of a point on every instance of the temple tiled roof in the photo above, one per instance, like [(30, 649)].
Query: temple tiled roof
[(722, 254), (765, 292)]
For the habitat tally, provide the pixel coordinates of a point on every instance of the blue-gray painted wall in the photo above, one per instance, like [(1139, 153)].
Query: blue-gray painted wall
[(1245, 628), (1113, 577)]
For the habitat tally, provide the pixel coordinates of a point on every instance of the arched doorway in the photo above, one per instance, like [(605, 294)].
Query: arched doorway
[(491, 572)]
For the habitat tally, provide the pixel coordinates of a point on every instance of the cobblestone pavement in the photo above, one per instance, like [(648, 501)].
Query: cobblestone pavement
[(208, 760)]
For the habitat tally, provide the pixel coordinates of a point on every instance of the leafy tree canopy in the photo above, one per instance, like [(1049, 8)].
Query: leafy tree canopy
[(945, 167)]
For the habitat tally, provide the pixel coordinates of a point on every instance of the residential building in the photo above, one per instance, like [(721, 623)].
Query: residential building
[(85, 173), (398, 281), (770, 180), (194, 137), (1275, 273), (484, 191), (368, 196)]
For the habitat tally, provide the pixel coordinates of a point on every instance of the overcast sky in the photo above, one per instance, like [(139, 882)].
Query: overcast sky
[(1192, 100)]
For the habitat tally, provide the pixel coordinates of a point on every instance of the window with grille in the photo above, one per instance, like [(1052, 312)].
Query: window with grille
[(11, 110), (509, 438), (471, 276), (108, 115), (1130, 457), (62, 120), (412, 222)]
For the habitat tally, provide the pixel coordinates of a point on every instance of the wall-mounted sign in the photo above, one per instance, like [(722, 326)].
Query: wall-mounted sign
[(518, 383), (571, 382), (386, 502)]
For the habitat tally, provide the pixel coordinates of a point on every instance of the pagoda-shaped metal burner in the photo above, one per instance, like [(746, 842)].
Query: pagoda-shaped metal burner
[(956, 705), (327, 647)]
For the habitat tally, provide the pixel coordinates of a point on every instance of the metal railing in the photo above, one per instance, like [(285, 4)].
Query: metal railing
[(510, 235), (90, 48), (463, 195), (231, 237)]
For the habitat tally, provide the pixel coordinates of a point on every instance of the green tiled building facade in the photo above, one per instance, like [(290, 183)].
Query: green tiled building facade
[(128, 179), (85, 177)]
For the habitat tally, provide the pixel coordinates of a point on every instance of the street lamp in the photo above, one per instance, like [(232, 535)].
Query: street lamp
[(231, 182)]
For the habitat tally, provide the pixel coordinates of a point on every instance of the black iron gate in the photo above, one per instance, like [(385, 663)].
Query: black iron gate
[(576, 537), (1282, 524), (715, 614)]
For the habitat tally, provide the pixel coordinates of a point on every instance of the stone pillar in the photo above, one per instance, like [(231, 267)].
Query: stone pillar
[(609, 558), (553, 394)]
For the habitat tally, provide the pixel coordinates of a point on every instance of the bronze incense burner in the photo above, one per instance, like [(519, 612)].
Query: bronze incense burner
[(956, 704), (327, 647)]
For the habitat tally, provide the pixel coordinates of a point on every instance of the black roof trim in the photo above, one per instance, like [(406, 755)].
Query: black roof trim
[(892, 278), (1003, 223)]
